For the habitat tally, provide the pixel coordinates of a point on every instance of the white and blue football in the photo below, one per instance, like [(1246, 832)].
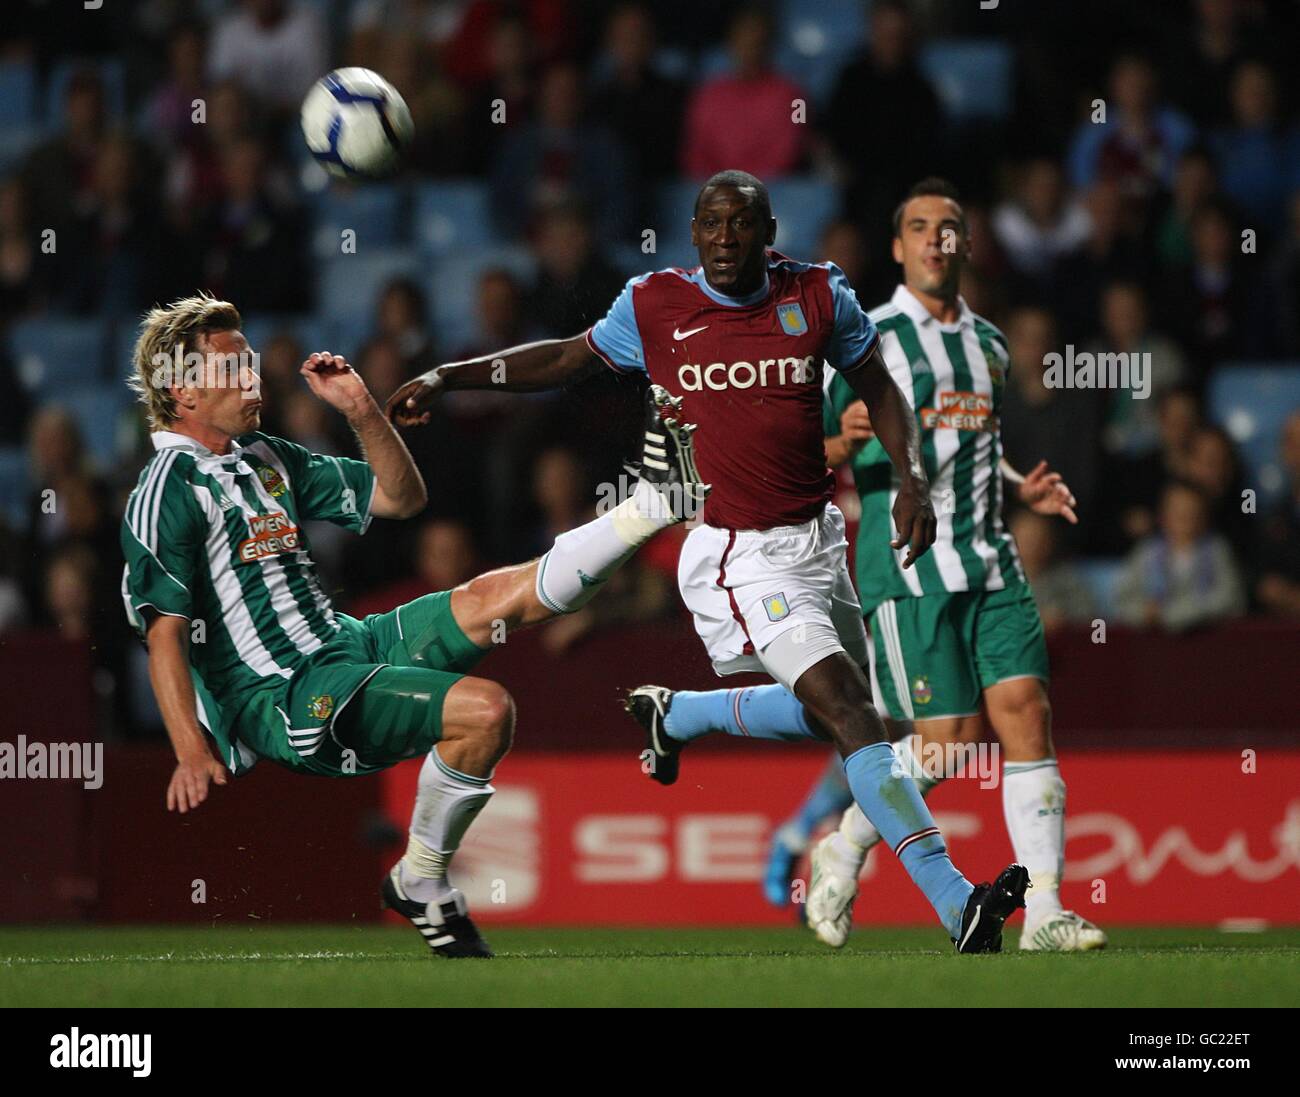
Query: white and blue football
[(356, 124)]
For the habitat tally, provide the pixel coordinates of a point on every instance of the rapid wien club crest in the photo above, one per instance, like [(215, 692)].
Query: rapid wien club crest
[(272, 481), (322, 707)]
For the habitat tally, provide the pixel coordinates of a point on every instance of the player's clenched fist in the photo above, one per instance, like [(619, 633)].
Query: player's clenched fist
[(409, 405), (331, 378), (189, 784), (855, 425)]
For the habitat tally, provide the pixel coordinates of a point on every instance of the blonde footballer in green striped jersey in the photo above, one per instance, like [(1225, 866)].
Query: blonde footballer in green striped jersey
[(247, 657)]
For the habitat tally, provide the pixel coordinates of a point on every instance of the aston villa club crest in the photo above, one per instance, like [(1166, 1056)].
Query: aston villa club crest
[(921, 692), (320, 708), (777, 607), (791, 317)]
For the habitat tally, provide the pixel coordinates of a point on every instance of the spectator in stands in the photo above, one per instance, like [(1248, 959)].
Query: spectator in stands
[(70, 589), (1136, 482), (1278, 565), (1059, 426), (60, 172), (402, 318), (1217, 305), (374, 26), (256, 239), (1258, 155), (1195, 183), (444, 557), (504, 101), (168, 116), (55, 456), (575, 284), (1207, 50), (274, 48), (1131, 425), (1213, 467), (26, 273), (1183, 576), (746, 117), (111, 248), (471, 54), (561, 156), (882, 93), (1140, 140), (1062, 594), (641, 106), (1042, 224), (1115, 249)]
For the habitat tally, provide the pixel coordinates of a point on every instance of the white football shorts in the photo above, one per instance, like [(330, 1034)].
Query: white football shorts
[(774, 600)]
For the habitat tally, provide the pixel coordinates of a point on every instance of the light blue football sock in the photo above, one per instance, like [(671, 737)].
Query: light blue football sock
[(828, 797), (756, 712), (895, 808)]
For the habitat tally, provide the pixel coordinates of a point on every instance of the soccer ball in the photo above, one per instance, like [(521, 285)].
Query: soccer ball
[(356, 124)]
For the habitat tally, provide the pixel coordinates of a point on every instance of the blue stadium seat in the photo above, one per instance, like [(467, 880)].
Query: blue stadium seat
[(453, 291), (1101, 575), (815, 41), (451, 216), (56, 90), (13, 485), (1251, 402), (802, 208), (374, 212), (55, 356), (972, 77), (18, 92), (349, 285)]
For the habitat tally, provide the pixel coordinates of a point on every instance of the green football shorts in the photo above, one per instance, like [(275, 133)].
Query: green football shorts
[(371, 697), (934, 655)]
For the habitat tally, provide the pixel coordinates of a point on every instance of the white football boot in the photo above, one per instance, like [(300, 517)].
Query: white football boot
[(830, 898), (1061, 931)]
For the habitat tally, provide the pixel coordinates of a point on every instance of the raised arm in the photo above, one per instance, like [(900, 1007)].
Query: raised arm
[(399, 488), (169, 673), (895, 426), (531, 367)]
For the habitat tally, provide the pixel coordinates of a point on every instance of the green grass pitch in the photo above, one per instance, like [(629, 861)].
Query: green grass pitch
[(263, 965)]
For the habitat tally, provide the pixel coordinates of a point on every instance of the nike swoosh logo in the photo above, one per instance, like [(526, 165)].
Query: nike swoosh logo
[(680, 335)]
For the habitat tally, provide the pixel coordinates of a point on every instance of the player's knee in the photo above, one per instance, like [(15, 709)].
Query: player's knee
[(487, 715)]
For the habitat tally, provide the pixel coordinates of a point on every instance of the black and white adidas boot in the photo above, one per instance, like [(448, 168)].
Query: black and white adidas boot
[(445, 926), (988, 907), (668, 457), (648, 706)]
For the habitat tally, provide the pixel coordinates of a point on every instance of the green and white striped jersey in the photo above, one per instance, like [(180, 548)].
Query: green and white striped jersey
[(219, 540), (953, 375)]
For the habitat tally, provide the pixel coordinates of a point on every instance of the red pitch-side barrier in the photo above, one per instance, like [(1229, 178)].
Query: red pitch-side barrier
[(1161, 837)]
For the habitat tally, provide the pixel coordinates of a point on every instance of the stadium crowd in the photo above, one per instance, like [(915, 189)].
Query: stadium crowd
[(1131, 176)]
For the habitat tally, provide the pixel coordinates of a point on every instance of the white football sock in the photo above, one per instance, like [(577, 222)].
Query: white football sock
[(1033, 800), (446, 802), (847, 850), (581, 559)]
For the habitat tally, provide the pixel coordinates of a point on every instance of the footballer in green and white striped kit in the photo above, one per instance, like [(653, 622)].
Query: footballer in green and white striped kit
[(246, 651), (957, 638), (953, 375)]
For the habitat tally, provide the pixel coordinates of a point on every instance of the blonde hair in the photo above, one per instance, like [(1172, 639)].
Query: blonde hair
[(162, 331)]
